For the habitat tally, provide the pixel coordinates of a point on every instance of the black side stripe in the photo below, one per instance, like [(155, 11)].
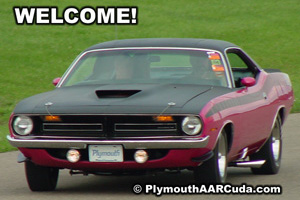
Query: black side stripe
[(249, 98)]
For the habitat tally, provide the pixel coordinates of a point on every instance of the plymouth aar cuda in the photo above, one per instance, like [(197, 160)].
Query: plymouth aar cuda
[(153, 104)]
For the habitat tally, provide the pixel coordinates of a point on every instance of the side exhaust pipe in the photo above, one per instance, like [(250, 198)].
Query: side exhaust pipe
[(254, 164)]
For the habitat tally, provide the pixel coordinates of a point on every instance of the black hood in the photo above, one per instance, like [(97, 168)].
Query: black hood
[(114, 99)]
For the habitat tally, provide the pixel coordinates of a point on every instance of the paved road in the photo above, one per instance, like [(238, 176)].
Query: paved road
[(13, 184)]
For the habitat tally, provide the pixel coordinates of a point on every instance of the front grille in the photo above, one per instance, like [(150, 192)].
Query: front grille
[(72, 127), (105, 126), (146, 127)]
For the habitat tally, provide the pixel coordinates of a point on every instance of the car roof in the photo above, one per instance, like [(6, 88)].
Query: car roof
[(218, 45)]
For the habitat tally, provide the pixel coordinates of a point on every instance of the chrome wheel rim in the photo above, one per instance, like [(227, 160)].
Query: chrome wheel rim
[(276, 143), (222, 158)]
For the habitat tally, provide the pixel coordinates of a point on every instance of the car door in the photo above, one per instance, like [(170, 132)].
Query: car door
[(250, 115)]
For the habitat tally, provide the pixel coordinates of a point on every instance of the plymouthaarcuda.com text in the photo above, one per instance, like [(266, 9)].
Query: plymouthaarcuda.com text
[(208, 189)]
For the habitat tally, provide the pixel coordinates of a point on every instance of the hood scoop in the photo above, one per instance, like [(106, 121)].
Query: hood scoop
[(116, 93)]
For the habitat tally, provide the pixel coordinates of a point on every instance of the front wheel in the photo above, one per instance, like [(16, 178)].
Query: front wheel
[(41, 178), (215, 169), (270, 152)]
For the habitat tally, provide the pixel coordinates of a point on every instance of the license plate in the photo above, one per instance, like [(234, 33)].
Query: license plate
[(106, 153)]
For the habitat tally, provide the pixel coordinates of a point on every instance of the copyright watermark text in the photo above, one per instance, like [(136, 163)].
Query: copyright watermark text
[(207, 189)]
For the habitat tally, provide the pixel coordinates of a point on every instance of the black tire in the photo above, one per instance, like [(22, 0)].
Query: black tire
[(41, 178), (215, 169), (271, 152)]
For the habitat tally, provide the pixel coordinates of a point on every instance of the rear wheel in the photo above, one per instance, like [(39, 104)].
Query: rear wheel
[(41, 178), (271, 152), (215, 169)]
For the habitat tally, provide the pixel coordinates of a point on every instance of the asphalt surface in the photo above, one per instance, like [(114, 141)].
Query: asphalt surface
[(13, 184)]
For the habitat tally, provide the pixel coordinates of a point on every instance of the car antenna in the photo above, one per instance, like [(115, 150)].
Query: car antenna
[(169, 105), (47, 106)]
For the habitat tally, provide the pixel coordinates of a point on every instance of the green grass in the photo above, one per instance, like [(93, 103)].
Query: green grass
[(31, 56)]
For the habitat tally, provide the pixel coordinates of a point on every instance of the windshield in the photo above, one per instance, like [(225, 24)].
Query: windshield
[(139, 66)]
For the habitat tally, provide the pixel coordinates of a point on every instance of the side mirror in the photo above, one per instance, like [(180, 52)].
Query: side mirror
[(56, 81), (248, 81)]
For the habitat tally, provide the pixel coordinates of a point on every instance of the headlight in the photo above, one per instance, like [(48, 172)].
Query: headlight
[(191, 125), (23, 125)]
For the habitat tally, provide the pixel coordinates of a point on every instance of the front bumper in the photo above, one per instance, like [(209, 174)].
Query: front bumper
[(183, 143)]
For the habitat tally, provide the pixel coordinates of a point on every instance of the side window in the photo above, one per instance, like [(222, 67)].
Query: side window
[(236, 62), (241, 66)]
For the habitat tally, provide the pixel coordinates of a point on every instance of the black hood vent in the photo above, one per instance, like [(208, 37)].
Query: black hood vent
[(116, 93)]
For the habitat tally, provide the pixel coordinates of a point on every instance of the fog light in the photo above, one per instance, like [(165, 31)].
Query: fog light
[(73, 155), (140, 156)]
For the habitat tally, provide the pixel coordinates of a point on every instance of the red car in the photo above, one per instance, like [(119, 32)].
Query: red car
[(138, 105)]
